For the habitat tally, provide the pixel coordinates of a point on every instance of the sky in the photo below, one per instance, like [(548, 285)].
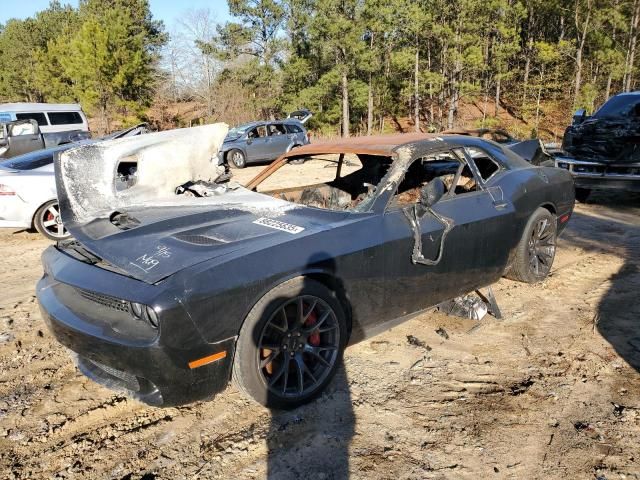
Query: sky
[(165, 10)]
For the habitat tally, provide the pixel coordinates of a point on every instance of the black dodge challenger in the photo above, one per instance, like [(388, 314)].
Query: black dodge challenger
[(170, 296)]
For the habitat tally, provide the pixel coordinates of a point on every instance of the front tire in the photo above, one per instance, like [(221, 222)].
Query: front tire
[(236, 158), (47, 221), (290, 344), (536, 250)]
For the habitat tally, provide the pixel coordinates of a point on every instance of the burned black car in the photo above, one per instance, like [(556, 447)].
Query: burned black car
[(170, 297), (603, 150)]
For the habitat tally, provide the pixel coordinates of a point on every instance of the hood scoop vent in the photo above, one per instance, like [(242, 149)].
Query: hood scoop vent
[(203, 240), (123, 220)]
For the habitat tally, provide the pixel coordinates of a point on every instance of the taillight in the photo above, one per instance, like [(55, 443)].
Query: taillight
[(5, 190)]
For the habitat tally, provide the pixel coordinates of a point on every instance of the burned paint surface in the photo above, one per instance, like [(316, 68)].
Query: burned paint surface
[(609, 140), (203, 263)]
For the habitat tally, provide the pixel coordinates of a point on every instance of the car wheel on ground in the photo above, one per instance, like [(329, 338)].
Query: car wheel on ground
[(47, 221), (536, 250), (290, 344), (582, 194), (236, 158)]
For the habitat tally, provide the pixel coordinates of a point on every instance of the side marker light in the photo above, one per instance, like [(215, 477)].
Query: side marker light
[(207, 360)]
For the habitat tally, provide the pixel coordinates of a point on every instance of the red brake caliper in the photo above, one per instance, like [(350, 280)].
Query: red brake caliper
[(314, 338)]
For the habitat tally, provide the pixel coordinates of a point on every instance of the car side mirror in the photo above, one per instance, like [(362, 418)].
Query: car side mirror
[(249, 140), (432, 192), (579, 116)]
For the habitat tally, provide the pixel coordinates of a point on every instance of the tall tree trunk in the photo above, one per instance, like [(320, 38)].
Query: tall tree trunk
[(370, 107), (430, 85), (529, 52), (416, 106), (633, 36), (345, 103), (498, 85), (582, 38), (608, 90)]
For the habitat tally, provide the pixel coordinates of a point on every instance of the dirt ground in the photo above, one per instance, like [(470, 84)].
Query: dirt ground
[(551, 391)]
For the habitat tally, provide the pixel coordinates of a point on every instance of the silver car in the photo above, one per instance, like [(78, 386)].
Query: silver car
[(28, 196), (261, 141)]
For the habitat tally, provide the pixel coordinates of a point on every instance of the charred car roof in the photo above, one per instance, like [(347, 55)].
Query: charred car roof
[(387, 146)]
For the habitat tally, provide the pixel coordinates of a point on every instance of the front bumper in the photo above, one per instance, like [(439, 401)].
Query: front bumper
[(121, 354), (601, 175)]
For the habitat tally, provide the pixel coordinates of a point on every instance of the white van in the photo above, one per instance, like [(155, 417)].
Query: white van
[(45, 124)]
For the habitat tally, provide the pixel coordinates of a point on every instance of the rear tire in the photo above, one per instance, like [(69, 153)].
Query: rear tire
[(536, 250), (236, 159), (582, 194), (48, 223), (290, 345)]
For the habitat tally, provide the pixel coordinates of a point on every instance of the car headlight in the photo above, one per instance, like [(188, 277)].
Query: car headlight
[(136, 310), (144, 313), (152, 317)]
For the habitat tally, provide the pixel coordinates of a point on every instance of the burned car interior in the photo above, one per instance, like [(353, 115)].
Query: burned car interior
[(345, 181), (343, 184)]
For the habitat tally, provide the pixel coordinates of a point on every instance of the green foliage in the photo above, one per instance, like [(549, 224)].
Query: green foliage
[(102, 54)]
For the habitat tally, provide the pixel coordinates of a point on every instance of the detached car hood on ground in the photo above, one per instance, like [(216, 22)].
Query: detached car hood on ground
[(138, 224)]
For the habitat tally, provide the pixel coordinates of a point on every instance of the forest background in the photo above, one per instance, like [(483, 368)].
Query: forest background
[(362, 66)]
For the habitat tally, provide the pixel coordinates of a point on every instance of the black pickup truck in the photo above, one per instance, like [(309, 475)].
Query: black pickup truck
[(602, 151)]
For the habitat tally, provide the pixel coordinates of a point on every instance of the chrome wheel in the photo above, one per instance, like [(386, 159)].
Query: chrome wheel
[(237, 158), (298, 347), (542, 247), (49, 222)]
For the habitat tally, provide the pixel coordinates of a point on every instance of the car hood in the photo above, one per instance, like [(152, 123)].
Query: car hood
[(154, 242), (147, 231)]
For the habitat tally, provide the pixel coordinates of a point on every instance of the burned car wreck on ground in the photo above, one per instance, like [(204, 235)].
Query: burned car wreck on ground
[(603, 150), (172, 296)]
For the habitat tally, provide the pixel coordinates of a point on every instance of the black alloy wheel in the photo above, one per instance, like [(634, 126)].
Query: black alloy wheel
[(298, 347), (542, 247), (536, 249), (291, 344)]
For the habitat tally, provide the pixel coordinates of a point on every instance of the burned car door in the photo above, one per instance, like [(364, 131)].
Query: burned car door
[(455, 246), (23, 136)]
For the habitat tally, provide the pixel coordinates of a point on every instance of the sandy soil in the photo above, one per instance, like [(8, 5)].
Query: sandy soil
[(550, 391)]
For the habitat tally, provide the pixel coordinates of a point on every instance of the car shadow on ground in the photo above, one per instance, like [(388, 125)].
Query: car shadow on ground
[(615, 229), (311, 441)]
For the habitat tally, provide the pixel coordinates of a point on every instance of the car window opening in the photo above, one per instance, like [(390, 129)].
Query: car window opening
[(487, 167), (340, 182), (454, 173)]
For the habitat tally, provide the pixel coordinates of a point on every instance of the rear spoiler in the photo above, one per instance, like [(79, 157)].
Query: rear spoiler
[(533, 151)]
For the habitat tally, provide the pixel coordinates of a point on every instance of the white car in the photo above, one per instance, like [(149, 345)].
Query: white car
[(28, 197)]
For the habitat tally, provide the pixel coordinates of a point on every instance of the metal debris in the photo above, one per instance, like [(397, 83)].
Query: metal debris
[(467, 306)]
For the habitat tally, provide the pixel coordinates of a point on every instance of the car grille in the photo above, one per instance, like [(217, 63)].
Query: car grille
[(105, 300)]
